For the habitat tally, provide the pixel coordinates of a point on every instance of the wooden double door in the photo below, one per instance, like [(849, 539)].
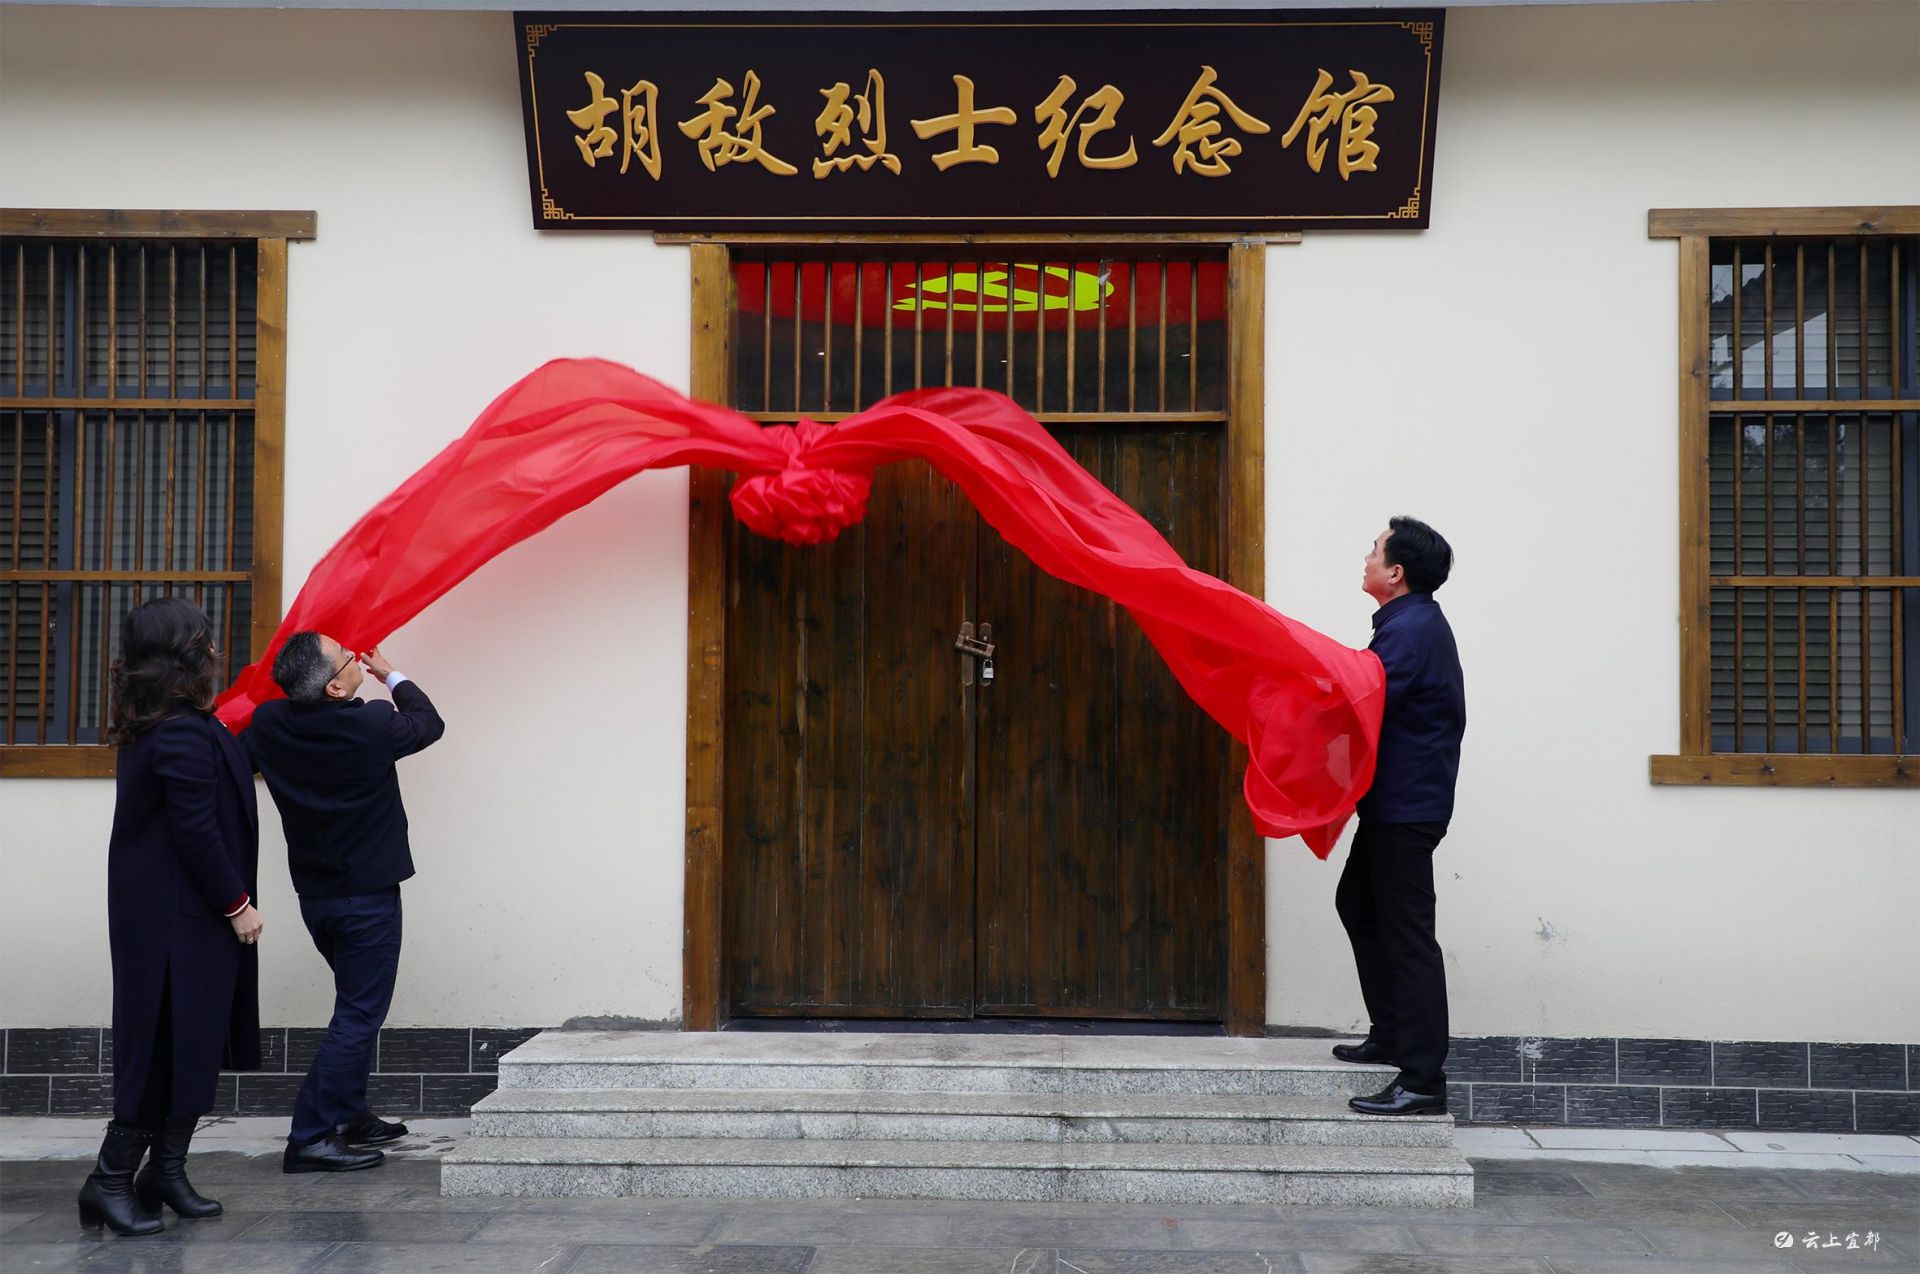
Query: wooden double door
[(911, 832)]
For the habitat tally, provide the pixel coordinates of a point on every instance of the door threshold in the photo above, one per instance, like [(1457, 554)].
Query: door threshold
[(974, 1026)]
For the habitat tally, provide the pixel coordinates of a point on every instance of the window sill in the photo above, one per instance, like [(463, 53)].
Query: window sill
[(1750, 769), (34, 762)]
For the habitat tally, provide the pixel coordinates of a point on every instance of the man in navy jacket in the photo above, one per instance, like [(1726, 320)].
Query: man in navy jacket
[(328, 759), (1386, 898)]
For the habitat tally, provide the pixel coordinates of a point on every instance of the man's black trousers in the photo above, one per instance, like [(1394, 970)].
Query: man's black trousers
[(1385, 900), (359, 938)]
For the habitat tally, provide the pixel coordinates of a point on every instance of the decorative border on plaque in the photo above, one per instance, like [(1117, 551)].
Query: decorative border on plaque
[(551, 212)]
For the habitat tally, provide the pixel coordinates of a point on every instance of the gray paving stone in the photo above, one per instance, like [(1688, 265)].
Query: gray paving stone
[(1722, 1185), (1137, 1231), (1887, 1216), (712, 1209), (56, 1258), (363, 1227), (12, 1218), (1856, 1185), (1114, 1262), (700, 1260), (631, 1227), (1657, 1265), (429, 1199), (1537, 1209), (430, 1258), (310, 1193), (1529, 1240), (64, 1223), (1496, 1183), (899, 1230), (135, 1256), (1357, 1263), (920, 1260), (1298, 1236), (1758, 1247)]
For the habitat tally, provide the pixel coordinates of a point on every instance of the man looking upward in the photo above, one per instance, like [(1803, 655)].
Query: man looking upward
[(328, 759), (1386, 898)]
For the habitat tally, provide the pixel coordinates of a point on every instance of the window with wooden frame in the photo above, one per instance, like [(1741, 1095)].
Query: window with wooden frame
[(1800, 496), (142, 374)]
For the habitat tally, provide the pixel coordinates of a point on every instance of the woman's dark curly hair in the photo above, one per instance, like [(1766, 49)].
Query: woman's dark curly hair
[(166, 663)]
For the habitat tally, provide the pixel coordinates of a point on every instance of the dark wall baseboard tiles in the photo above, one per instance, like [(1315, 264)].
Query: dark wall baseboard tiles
[(1600, 1082), (1609, 1082), (417, 1070)]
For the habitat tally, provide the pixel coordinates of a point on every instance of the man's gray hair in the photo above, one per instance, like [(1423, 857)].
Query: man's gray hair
[(302, 668)]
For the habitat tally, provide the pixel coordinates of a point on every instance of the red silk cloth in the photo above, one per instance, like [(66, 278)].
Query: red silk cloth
[(1307, 707)]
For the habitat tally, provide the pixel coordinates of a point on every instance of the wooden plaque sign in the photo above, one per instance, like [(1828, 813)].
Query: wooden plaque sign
[(1144, 122)]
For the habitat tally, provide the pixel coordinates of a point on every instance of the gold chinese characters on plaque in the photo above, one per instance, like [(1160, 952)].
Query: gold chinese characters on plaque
[(1227, 120)]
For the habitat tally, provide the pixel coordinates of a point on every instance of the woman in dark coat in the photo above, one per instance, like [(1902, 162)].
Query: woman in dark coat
[(181, 870)]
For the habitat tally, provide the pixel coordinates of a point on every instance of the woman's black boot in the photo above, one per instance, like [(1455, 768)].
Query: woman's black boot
[(108, 1198), (164, 1179)]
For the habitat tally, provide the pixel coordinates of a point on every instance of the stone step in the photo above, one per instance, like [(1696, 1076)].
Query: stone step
[(849, 1115), (1091, 1171), (935, 1063)]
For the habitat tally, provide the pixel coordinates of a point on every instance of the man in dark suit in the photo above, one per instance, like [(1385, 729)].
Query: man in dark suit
[(1386, 898), (328, 759)]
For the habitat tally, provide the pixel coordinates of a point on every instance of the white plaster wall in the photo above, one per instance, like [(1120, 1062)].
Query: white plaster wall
[(1517, 388), (548, 824)]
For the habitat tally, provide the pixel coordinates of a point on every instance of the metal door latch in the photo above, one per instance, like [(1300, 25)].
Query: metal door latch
[(979, 649)]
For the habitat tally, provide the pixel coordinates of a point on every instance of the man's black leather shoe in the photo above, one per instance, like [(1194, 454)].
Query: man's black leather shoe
[(371, 1130), (1395, 1100), (329, 1154), (1365, 1052)]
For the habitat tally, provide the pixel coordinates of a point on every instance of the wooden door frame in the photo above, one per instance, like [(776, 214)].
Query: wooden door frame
[(703, 977)]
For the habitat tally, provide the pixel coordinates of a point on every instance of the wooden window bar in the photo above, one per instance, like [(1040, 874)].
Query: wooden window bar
[(1023, 323), (1838, 463), (123, 449)]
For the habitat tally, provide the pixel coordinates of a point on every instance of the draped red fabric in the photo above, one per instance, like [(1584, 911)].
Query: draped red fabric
[(1307, 707)]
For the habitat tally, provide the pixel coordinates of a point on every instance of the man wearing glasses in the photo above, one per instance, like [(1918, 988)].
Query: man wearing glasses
[(328, 759)]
